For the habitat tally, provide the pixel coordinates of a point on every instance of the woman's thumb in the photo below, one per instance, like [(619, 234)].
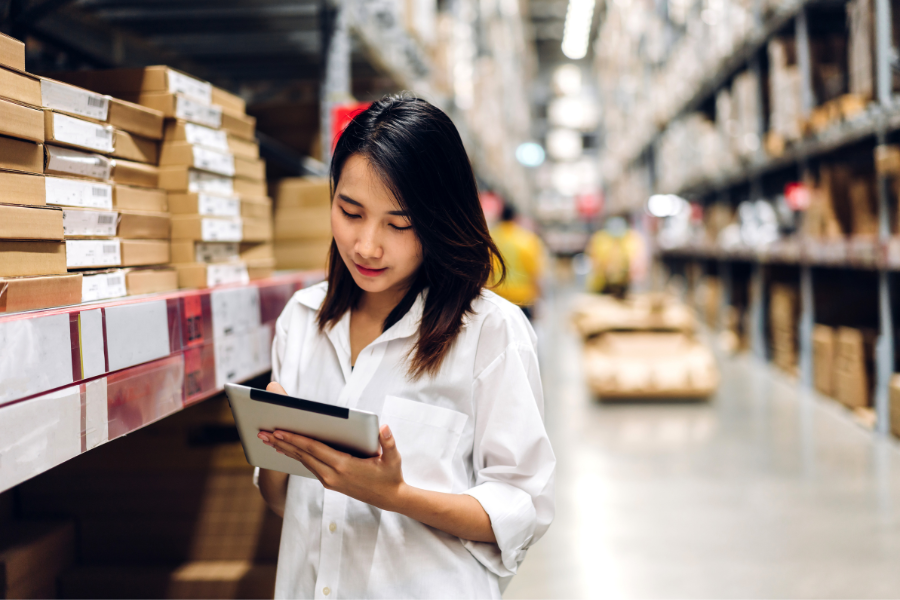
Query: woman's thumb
[(276, 388), (388, 444)]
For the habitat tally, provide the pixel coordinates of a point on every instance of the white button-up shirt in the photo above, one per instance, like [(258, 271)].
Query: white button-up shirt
[(474, 428)]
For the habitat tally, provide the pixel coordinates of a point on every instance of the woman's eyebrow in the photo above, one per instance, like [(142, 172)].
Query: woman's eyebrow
[(349, 200)]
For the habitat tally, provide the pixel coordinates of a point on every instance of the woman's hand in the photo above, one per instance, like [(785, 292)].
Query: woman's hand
[(377, 481)]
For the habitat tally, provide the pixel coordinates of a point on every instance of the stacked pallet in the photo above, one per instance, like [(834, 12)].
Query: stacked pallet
[(168, 512), (210, 167), (302, 223), (783, 314), (853, 365)]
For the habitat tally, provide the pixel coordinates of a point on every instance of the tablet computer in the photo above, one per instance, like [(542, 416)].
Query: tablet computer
[(352, 431)]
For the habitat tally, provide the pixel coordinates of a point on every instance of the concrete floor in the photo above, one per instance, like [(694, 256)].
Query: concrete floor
[(765, 492)]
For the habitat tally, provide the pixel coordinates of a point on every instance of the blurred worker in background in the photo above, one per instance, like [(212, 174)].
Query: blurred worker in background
[(617, 258), (523, 253)]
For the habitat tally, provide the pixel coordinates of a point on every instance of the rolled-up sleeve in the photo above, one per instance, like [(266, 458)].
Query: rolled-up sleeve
[(513, 461)]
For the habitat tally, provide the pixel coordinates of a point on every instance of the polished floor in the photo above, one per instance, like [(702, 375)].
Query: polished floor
[(762, 493)]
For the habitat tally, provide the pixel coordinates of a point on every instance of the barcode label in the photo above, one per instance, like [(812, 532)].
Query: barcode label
[(76, 162), (218, 206), (212, 160), (204, 136), (190, 110), (212, 252), (70, 99), (195, 89), (85, 254), (199, 181), (69, 130), (89, 223), (102, 286), (222, 230), (106, 219), (72, 192), (226, 273)]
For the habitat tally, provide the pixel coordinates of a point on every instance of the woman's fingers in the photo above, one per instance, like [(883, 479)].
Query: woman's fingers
[(276, 388), (320, 451)]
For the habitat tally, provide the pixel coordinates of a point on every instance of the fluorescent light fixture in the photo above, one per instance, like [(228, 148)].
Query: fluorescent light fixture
[(577, 31), (665, 205), (530, 154), (564, 144)]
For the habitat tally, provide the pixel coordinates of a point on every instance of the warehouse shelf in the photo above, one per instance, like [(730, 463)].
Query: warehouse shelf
[(78, 376)]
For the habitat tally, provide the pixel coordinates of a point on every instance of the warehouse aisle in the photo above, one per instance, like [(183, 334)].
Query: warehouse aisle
[(760, 494)]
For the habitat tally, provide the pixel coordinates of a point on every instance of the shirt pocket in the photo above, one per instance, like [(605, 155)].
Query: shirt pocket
[(427, 437)]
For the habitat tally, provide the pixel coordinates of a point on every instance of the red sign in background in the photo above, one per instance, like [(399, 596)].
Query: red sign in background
[(341, 115)]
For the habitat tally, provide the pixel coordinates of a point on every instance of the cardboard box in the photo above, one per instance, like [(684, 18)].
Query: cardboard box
[(30, 222), (178, 130), (190, 251), (150, 281), (159, 78), (20, 87), (823, 359), (895, 404), (103, 285), (256, 208), (303, 223), (179, 106), (207, 229), (205, 204), (257, 230), (310, 254), (245, 188), (21, 188), (853, 354), (73, 132), (228, 101), (133, 173), (137, 253), (303, 192), (254, 251), (243, 147), (136, 148), (887, 159), (21, 122), (144, 225), (187, 179), (76, 163), (93, 254), (143, 199), (31, 293), (12, 52), (203, 275), (34, 555), (260, 269), (243, 126), (25, 259), (134, 118), (250, 168), (89, 223), (198, 157)]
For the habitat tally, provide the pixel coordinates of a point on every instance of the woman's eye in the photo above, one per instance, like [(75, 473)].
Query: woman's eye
[(350, 215), (398, 228)]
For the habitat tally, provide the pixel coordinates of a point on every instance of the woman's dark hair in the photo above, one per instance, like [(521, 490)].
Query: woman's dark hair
[(418, 154)]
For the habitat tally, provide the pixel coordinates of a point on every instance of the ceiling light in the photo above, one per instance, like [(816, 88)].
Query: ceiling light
[(577, 31), (530, 154)]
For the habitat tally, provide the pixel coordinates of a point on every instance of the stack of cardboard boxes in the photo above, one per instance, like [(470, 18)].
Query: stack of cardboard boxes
[(302, 223), (783, 315), (210, 167), (853, 366)]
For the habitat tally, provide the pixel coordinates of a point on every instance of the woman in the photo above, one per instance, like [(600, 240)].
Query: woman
[(404, 328)]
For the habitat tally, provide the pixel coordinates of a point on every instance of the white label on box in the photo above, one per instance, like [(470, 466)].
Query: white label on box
[(71, 99), (191, 110), (66, 160), (38, 434), (235, 310), (35, 356), (214, 252), (198, 181), (96, 414), (221, 230), (204, 136), (226, 273), (192, 87), (90, 223), (103, 286), (72, 192), (136, 333), (213, 160), (90, 338), (85, 254), (218, 206), (70, 130)]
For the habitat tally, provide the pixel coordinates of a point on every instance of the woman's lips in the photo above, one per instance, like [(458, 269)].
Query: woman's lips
[(369, 272)]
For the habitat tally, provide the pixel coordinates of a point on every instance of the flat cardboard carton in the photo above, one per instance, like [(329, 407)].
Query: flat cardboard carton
[(303, 223), (24, 259), (261, 269), (201, 228), (150, 281), (179, 106), (187, 179), (303, 192), (80, 223), (12, 52), (143, 225), (310, 254), (21, 188), (248, 188), (134, 118), (126, 197), (103, 284), (257, 230), (243, 147), (254, 251), (136, 148), (243, 126), (256, 208), (133, 173), (250, 168), (21, 122), (198, 157), (228, 101), (203, 275), (205, 204), (895, 404), (20, 87), (76, 163), (31, 293), (118, 82), (19, 155), (30, 222), (190, 251), (179, 130), (137, 253), (73, 132)]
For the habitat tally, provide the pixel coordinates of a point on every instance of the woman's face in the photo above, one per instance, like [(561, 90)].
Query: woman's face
[(371, 231)]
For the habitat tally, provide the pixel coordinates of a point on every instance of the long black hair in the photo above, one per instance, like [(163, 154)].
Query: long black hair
[(418, 154)]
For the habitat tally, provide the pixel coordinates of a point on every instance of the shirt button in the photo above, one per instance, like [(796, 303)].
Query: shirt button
[(326, 591), (332, 527)]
